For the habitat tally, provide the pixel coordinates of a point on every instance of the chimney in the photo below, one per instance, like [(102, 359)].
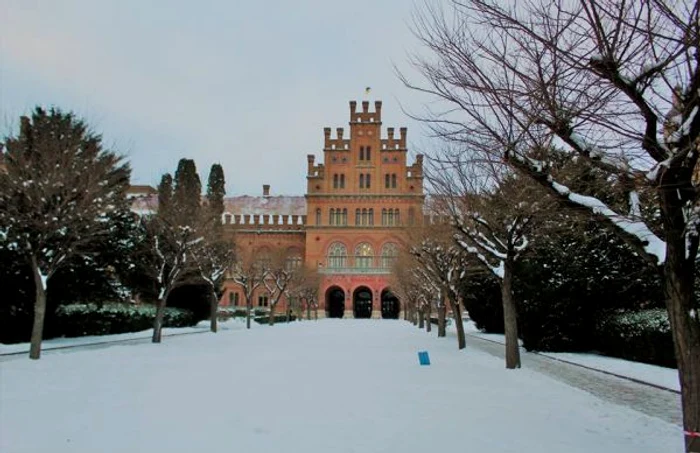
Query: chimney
[(266, 190)]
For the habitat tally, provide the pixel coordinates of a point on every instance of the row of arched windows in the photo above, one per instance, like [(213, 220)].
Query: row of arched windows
[(365, 152), (365, 217), (338, 181), (338, 216), (364, 255), (365, 180)]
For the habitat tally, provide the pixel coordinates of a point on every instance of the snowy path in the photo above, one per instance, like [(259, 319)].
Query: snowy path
[(330, 386), (649, 400)]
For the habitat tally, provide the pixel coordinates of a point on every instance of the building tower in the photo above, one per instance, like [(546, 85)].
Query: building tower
[(359, 202)]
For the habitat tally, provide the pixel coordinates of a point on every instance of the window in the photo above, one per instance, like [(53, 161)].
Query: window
[(358, 214), (390, 252), (337, 255), (371, 216), (393, 181), (233, 299), (292, 262), (318, 216), (368, 151), (387, 181), (362, 153), (362, 181), (335, 181), (390, 220), (397, 218), (367, 180), (411, 216), (364, 255), (342, 181), (364, 216), (344, 218), (331, 217), (384, 217), (263, 300)]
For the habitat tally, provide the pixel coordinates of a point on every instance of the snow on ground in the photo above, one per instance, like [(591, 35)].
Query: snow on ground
[(653, 374), (57, 343), (326, 386)]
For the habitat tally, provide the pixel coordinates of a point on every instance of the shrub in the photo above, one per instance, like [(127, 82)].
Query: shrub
[(642, 336), (482, 299), (79, 320), (278, 318)]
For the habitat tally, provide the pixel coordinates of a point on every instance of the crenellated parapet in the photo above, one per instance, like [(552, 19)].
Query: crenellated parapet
[(265, 221), (339, 143), (366, 116), (312, 170), (394, 143)]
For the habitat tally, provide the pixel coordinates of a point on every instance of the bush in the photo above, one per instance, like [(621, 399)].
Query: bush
[(278, 318), (79, 320), (642, 336), (482, 299)]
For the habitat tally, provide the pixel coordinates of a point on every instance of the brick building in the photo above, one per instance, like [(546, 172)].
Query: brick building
[(349, 225)]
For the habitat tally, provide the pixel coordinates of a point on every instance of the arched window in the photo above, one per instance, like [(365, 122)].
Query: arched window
[(385, 221), (368, 151), (337, 255), (390, 252), (371, 217), (411, 216), (397, 217), (387, 181), (318, 216), (335, 181), (364, 255), (362, 153), (344, 220), (393, 181), (367, 180), (362, 180), (331, 217), (342, 181), (358, 214), (292, 262), (364, 216), (390, 220)]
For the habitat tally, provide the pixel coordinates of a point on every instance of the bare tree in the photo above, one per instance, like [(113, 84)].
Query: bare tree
[(280, 275), (213, 259), (248, 273), (444, 263), (593, 80), (60, 193)]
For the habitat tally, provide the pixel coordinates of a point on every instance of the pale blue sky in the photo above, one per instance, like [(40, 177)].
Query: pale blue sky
[(247, 84)]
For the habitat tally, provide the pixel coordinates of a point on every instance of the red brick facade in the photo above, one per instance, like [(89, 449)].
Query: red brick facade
[(350, 223)]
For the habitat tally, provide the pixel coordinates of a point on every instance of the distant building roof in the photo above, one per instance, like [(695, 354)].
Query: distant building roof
[(270, 205), (140, 190)]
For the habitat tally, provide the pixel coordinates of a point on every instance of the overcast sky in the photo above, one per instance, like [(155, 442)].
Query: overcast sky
[(248, 84)]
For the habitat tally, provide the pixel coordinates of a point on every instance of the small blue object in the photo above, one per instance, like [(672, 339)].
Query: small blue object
[(423, 358)]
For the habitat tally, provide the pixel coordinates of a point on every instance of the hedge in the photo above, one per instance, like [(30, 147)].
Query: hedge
[(642, 336), (77, 320), (278, 318)]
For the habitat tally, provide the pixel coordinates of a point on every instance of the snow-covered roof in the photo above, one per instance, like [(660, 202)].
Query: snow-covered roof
[(270, 205)]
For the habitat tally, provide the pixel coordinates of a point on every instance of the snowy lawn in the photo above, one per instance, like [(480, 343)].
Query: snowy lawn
[(653, 374), (316, 387)]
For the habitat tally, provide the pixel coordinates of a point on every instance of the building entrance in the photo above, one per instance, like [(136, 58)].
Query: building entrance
[(335, 302), (362, 302), (390, 305)]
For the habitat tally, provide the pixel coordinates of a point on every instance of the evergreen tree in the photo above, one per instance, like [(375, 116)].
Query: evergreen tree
[(165, 195), (216, 190), (187, 193)]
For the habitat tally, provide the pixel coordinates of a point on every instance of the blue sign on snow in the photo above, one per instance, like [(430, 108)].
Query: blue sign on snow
[(423, 358)]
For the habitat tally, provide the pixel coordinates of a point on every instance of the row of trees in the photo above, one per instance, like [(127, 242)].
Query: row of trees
[(566, 95)]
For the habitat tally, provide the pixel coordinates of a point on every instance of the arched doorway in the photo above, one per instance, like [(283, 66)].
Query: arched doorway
[(390, 305), (362, 302), (335, 302)]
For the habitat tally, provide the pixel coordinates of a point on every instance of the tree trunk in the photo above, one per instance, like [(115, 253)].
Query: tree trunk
[(315, 312), (679, 273), (247, 314), (421, 319), (158, 321), (510, 319), (39, 312), (289, 313), (213, 312), (308, 310), (271, 316), (428, 322), (441, 310), (457, 316)]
